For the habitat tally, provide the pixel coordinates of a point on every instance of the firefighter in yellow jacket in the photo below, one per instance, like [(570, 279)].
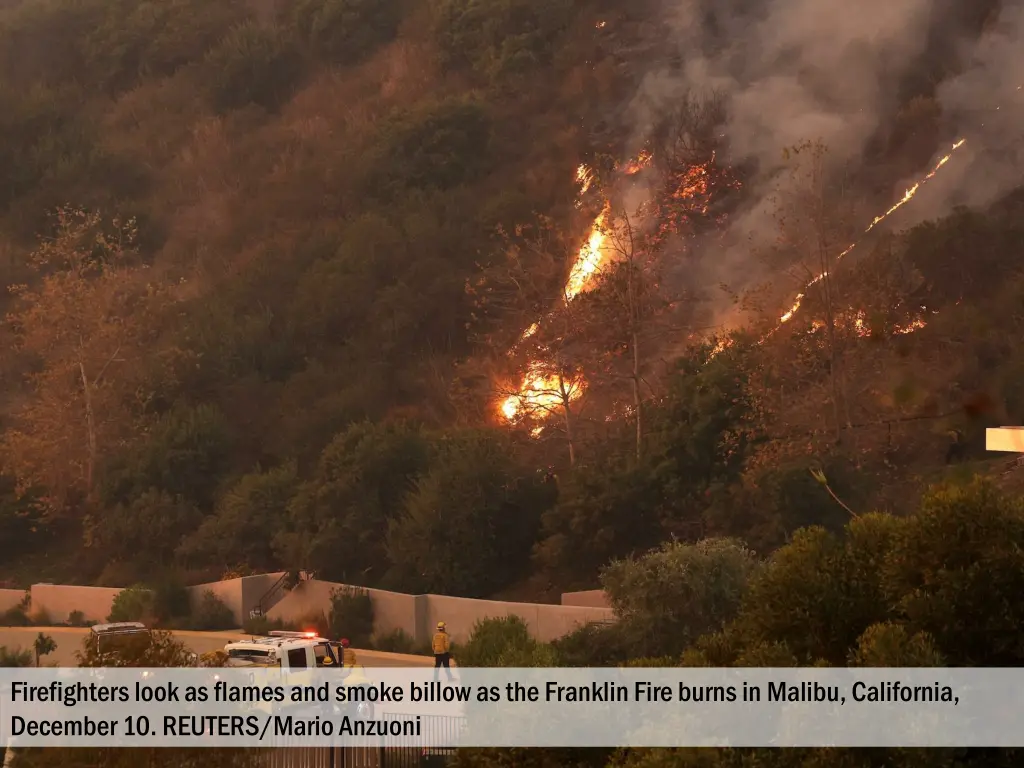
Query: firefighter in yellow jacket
[(442, 651), (348, 656)]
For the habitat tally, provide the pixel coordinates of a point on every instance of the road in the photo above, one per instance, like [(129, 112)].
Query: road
[(69, 640)]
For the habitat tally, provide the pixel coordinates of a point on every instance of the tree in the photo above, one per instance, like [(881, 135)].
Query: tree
[(606, 509), (956, 570), (337, 523), (248, 517), (621, 313), (540, 339), (147, 531), (43, 645), (87, 324), (814, 234), (470, 521), (183, 453), (159, 650), (668, 598)]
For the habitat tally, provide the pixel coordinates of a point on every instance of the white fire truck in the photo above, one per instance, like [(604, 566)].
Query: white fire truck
[(296, 653)]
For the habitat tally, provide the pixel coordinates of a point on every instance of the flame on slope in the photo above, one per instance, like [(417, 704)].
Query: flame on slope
[(585, 177), (643, 160), (907, 197), (590, 258), (540, 392)]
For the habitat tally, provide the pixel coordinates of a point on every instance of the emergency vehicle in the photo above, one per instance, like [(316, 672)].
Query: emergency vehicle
[(295, 654)]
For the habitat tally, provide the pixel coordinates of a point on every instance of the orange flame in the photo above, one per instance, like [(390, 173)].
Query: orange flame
[(643, 160), (540, 392), (907, 197)]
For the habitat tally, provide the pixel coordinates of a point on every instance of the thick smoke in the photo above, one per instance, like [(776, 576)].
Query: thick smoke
[(986, 104), (834, 71)]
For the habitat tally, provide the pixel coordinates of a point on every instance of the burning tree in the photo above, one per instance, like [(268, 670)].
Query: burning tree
[(814, 225), (513, 311), (624, 315)]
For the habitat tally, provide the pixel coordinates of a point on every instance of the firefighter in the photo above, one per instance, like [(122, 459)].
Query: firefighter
[(348, 656), (442, 650)]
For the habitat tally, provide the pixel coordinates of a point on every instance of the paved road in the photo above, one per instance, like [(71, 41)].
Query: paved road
[(69, 640)]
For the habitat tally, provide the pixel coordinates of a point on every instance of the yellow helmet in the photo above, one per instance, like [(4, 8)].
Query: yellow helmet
[(440, 625)]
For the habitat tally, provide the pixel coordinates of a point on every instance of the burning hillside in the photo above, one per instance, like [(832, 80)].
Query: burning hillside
[(547, 388)]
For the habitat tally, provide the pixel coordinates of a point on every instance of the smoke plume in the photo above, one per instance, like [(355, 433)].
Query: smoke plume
[(836, 71)]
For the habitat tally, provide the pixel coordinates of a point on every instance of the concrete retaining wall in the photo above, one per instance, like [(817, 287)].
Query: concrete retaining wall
[(590, 598), (58, 601), (10, 598), (546, 622), (240, 595), (417, 615), (391, 610)]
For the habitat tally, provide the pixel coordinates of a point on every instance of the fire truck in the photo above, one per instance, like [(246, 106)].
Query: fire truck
[(296, 654)]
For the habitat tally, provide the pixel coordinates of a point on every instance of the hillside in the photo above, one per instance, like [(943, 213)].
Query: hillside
[(285, 312)]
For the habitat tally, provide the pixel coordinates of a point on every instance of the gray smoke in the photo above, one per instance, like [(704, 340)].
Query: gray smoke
[(986, 104), (831, 70)]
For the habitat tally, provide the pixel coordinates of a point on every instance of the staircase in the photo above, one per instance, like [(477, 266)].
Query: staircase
[(288, 581)]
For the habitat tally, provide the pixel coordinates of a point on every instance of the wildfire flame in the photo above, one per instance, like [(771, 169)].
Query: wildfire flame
[(641, 161), (907, 197), (585, 177), (590, 258), (542, 391)]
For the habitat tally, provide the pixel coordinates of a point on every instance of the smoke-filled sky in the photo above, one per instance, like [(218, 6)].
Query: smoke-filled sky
[(986, 104), (834, 70)]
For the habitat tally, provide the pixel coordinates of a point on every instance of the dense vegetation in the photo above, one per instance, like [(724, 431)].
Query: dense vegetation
[(938, 587), (268, 323)]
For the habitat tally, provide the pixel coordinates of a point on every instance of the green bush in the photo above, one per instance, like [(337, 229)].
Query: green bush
[(397, 641), (499, 38), (171, 600), (351, 615), (15, 658), (77, 619), (133, 604), (435, 147), (254, 64), (211, 614), (346, 31), (18, 615), (593, 645), (493, 639)]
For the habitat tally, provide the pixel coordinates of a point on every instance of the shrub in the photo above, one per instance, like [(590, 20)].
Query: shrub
[(261, 625), (396, 641), (351, 615), (254, 64), (211, 614), (77, 619), (346, 31), (15, 658), (659, 661), (18, 615), (499, 38), (668, 598), (133, 604), (593, 645), (493, 639), (171, 600)]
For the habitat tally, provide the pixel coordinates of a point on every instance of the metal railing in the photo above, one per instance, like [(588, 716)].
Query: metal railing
[(393, 751), (273, 595)]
